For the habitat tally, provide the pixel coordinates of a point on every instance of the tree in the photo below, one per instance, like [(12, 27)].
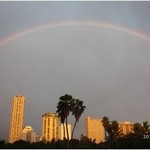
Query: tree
[(106, 124), (63, 110), (145, 127), (112, 132), (2, 144), (77, 109), (62, 119), (86, 142), (115, 133), (137, 128)]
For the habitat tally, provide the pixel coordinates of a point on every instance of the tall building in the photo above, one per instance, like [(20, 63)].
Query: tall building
[(28, 134), (61, 131), (49, 126), (94, 129), (126, 127), (17, 117)]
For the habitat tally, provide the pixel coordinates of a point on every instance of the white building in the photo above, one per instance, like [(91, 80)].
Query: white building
[(28, 134), (61, 131)]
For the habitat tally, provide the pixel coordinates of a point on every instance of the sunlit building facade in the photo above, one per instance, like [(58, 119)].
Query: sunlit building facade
[(126, 127), (17, 118), (49, 127), (94, 129), (61, 131), (28, 134)]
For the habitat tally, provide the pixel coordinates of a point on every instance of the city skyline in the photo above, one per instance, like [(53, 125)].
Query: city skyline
[(53, 129), (97, 52)]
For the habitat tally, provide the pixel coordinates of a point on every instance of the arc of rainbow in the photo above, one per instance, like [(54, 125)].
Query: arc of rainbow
[(77, 23)]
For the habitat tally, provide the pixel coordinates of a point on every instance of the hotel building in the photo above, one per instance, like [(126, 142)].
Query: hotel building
[(94, 129), (17, 118), (49, 126)]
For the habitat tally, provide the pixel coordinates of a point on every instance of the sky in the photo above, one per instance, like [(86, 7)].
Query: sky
[(97, 52)]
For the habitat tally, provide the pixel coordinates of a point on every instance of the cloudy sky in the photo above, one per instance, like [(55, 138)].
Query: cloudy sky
[(95, 51)]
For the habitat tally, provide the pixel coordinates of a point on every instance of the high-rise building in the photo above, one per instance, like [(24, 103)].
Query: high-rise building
[(17, 118), (28, 134), (49, 126), (61, 131), (94, 129), (126, 127)]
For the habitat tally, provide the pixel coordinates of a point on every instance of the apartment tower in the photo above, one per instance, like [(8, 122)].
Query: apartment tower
[(17, 118), (49, 126), (95, 129)]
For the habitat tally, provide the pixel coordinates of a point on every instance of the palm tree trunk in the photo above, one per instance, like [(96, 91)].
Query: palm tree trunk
[(64, 131), (67, 133), (67, 129), (106, 139), (73, 129)]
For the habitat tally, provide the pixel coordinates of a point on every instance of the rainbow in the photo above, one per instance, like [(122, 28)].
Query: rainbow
[(106, 25)]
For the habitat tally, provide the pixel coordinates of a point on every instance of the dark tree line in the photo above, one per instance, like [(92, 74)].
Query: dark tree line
[(81, 143), (139, 138)]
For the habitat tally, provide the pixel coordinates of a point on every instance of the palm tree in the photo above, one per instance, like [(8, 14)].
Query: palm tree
[(63, 109), (77, 109), (106, 124), (116, 133), (145, 127), (137, 128), (112, 132), (62, 118)]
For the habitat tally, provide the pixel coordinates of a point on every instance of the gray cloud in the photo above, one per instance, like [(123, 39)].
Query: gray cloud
[(110, 73), (107, 69)]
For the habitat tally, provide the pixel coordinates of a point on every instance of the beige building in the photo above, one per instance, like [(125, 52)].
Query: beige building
[(49, 126), (126, 127), (28, 134), (61, 131), (17, 118), (94, 129)]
